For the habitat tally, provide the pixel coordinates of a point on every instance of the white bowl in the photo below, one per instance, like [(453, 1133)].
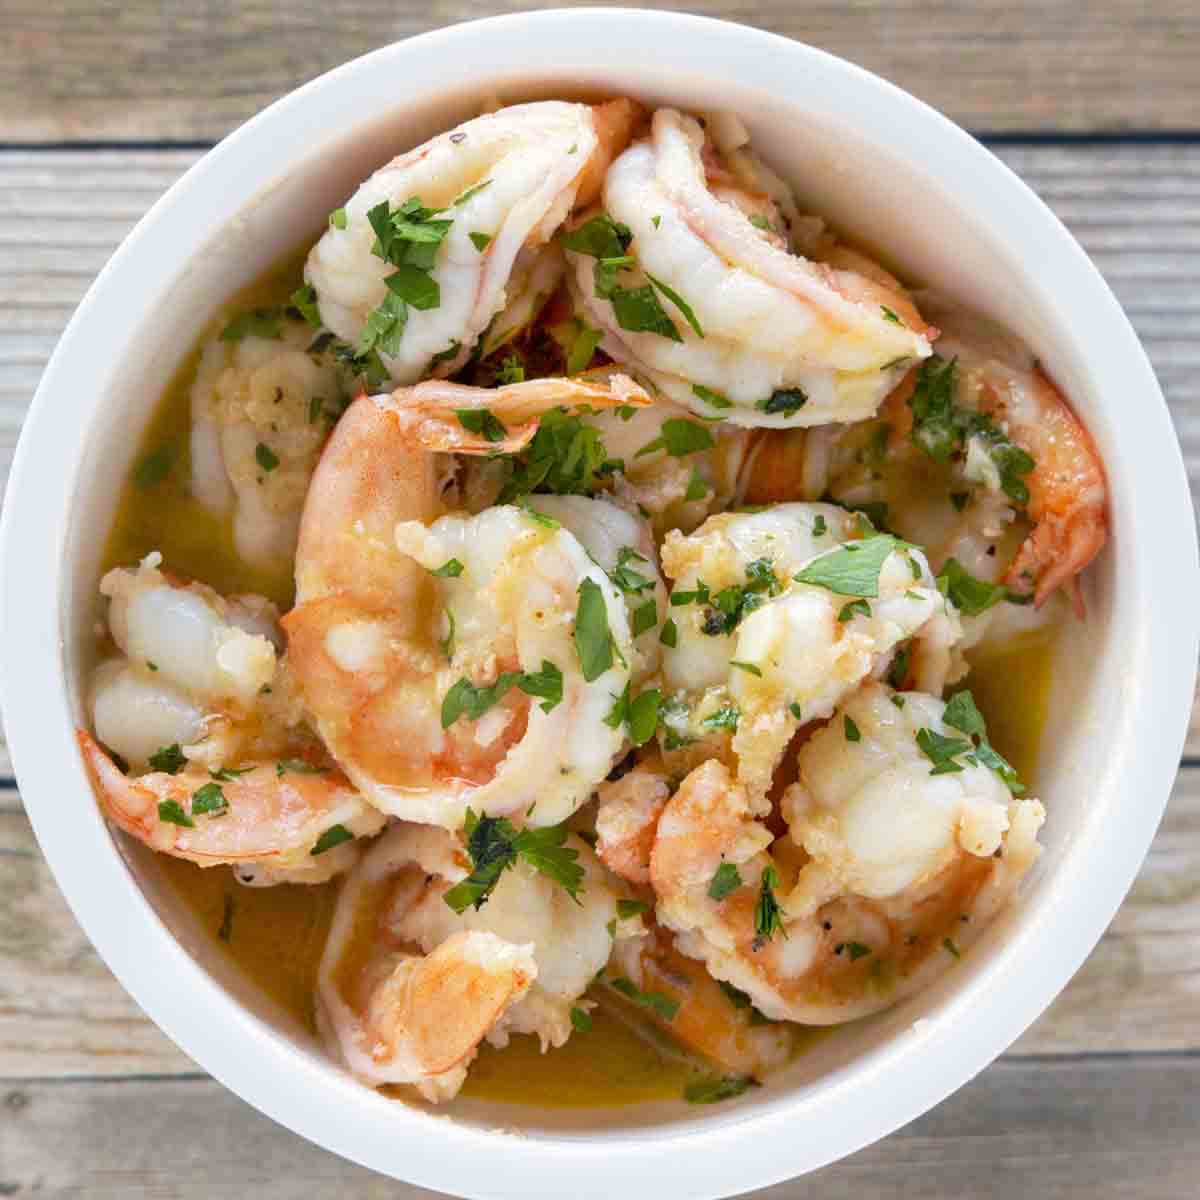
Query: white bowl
[(882, 165)]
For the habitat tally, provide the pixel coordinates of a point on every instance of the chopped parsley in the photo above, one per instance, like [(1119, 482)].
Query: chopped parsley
[(209, 799), (471, 191), (897, 674), (335, 835), (711, 398), (963, 714), (447, 643), (297, 766), (670, 634), (852, 569), (768, 916), (889, 315), (951, 948), (749, 667), (819, 526), (581, 1020), (718, 1088), (783, 401), (852, 731), (628, 909), (566, 457), (254, 322), (639, 715), (466, 699), (593, 639), (512, 370), (266, 457), (494, 845), (625, 577), (337, 218), (645, 617), (226, 774), (726, 880), (660, 1005), (855, 950), (855, 606), (304, 301), (680, 303), (450, 569), (171, 811), (942, 751), (725, 717), (697, 489), (971, 596), (679, 438), (941, 428), (482, 422), (169, 759)]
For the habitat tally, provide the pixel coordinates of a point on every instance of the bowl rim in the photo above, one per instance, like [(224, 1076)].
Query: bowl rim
[(851, 1107)]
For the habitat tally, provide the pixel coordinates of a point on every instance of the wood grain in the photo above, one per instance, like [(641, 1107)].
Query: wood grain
[(1107, 1129), (62, 1014), (102, 70)]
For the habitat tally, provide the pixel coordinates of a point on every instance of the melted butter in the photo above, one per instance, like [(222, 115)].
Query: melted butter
[(274, 935)]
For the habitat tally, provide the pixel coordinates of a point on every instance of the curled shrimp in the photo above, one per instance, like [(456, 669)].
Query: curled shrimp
[(627, 815), (396, 609), (269, 815), (904, 869), (779, 340), (505, 181)]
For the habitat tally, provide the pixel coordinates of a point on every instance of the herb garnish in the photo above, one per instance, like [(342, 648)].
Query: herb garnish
[(679, 438), (725, 717), (171, 811), (783, 401), (494, 845), (963, 714), (482, 422), (209, 799), (852, 731), (593, 638), (768, 916), (169, 759), (660, 1005), (254, 322), (640, 715), (335, 835), (971, 596), (466, 699), (566, 457), (581, 1020), (713, 1091), (726, 880), (851, 569), (450, 569), (265, 457)]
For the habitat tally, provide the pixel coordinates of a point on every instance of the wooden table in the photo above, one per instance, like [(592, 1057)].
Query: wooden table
[(104, 104)]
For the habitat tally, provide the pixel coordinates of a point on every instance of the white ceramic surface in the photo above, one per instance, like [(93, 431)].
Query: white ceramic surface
[(881, 164)]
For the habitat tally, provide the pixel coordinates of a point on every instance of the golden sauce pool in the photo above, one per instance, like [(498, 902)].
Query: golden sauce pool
[(275, 935)]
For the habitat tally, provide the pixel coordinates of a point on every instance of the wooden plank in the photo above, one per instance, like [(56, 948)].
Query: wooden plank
[(142, 69), (1106, 1129), (62, 1013)]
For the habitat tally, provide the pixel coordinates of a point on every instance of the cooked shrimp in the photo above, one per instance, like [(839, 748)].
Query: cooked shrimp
[(378, 641), (627, 815), (195, 669), (571, 939), (758, 653), (785, 342), (405, 1018), (261, 409), (505, 181), (714, 1021), (535, 278), (1067, 493), (822, 952), (429, 414), (268, 814)]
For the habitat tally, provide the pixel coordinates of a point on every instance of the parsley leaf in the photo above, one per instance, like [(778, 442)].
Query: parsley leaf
[(466, 699), (337, 218), (768, 916), (639, 311), (680, 303), (171, 811), (626, 909), (889, 315), (414, 286), (210, 799), (852, 569), (660, 1005), (711, 398), (971, 596), (566, 457), (450, 569), (852, 731), (963, 714), (725, 717), (483, 422), (897, 674), (645, 617), (670, 634), (581, 1020), (727, 879), (545, 685), (942, 751), (749, 667), (639, 715), (265, 457), (855, 606), (169, 759), (679, 438), (593, 638), (304, 300), (335, 835), (494, 845), (784, 401), (721, 1087)]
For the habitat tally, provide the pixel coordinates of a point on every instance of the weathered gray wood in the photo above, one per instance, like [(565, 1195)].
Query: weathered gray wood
[(139, 69), (1058, 1130), (62, 1013)]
